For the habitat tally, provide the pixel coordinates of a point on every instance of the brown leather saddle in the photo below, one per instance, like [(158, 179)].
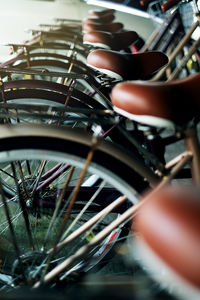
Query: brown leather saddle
[(126, 66), (168, 224), (158, 103), (111, 27), (105, 19), (107, 40)]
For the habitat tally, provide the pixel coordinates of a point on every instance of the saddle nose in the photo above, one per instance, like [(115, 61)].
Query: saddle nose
[(111, 27), (114, 41), (126, 66), (168, 224)]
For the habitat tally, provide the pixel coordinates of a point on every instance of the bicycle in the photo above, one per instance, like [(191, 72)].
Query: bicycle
[(114, 164), (118, 170)]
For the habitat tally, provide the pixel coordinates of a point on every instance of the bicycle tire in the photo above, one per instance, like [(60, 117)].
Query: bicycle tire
[(48, 90), (75, 67), (78, 67)]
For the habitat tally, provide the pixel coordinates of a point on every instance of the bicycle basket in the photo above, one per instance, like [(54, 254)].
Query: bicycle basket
[(187, 14), (156, 13)]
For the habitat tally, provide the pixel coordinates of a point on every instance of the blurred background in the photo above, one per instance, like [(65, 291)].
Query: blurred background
[(18, 16)]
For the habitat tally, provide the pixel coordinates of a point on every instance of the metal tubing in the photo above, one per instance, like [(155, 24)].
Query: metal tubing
[(89, 223), (176, 51), (184, 61), (192, 145)]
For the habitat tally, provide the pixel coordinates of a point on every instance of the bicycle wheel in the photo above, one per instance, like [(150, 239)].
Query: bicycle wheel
[(49, 64), (58, 47), (54, 61), (41, 169), (45, 90)]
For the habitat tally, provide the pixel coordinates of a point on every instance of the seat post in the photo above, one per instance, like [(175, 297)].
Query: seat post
[(193, 146)]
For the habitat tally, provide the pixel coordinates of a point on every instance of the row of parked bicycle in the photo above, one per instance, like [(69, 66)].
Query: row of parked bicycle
[(81, 143)]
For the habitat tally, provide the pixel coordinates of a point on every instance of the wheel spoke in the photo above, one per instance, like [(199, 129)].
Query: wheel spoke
[(71, 203), (11, 228), (52, 177), (51, 171), (23, 208), (76, 190), (39, 172), (83, 210), (6, 173), (88, 224), (21, 177), (58, 204)]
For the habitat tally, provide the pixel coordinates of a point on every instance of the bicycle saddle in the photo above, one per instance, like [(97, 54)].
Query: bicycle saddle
[(100, 13), (111, 27), (115, 41), (108, 18), (158, 103), (168, 230), (126, 66)]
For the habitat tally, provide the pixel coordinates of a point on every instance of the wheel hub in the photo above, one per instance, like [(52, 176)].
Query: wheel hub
[(45, 198), (28, 268)]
